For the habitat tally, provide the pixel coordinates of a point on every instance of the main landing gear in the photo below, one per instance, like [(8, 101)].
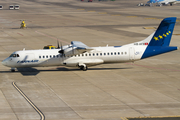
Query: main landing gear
[(84, 68), (12, 69)]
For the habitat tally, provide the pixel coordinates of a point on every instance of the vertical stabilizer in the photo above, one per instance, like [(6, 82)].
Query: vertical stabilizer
[(162, 36), (161, 39)]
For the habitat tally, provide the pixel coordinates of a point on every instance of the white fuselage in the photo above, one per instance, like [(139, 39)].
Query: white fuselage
[(51, 57)]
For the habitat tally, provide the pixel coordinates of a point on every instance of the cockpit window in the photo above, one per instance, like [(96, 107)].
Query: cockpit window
[(14, 55), (11, 55)]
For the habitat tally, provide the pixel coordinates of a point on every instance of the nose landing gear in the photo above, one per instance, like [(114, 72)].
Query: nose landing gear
[(84, 68)]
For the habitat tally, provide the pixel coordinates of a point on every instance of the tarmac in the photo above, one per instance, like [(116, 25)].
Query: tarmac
[(148, 88)]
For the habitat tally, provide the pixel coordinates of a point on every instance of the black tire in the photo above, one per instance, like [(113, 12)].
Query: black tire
[(85, 68), (81, 67)]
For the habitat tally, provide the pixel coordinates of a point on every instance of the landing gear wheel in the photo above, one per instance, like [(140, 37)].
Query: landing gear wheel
[(81, 67), (84, 68), (12, 69)]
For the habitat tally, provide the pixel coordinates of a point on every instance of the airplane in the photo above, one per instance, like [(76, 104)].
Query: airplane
[(77, 54), (163, 2)]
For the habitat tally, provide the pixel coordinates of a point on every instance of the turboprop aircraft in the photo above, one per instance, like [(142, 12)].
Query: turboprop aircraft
[(77, 54)]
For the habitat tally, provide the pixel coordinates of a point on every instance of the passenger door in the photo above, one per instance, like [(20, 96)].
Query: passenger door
[(131, 53)]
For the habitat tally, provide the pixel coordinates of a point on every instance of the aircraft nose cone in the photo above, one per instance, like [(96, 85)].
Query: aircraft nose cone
[(4, 62)]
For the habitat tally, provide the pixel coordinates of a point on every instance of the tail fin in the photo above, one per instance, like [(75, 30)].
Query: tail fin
[(160, 41), (162, 36)]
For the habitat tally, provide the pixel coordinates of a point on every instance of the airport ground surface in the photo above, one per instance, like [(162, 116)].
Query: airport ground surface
[(146, 88)]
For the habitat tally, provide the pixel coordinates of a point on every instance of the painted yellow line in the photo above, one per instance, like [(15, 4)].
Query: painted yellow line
[(131, 16), (177, 20), (150, 18), (103, 13), (29, 101), (149, 28), (160, 19), (124, 118), (91, 11), (176, 34), (80, 9), (115, 15)]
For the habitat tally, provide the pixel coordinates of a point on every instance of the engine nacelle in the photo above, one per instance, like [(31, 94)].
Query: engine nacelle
[(70, 51)]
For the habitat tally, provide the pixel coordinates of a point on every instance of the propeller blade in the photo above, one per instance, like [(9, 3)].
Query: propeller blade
[(72, 50), (58, 44), (61, 51)]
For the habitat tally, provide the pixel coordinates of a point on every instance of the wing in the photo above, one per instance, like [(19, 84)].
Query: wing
[(81, 47)]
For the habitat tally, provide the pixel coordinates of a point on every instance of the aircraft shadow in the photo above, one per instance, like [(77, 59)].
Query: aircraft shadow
[(28, 71), (34, 71)]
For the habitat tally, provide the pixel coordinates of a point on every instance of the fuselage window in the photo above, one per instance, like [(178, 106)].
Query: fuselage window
[(46, 56), (125, 52), (97, 54), (114, 53), (118, 53), (50, 56), (107, 53), (17, 55), (43, 56), (89, 54), (86, 54), (40, 57), (82, 54), (101, 54), (111, 53), (54, 56), (122, 53), (104, 53), (57, 56), (93, 54)]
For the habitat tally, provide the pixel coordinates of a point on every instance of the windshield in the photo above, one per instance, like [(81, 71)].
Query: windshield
[(14, 55)]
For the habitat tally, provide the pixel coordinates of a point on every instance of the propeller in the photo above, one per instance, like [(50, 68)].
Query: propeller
[(61, 51), (58, 44), (72, 50)]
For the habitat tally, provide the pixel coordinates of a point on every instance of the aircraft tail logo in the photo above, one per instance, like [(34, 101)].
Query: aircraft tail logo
[(162, 36), (160, 41)]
